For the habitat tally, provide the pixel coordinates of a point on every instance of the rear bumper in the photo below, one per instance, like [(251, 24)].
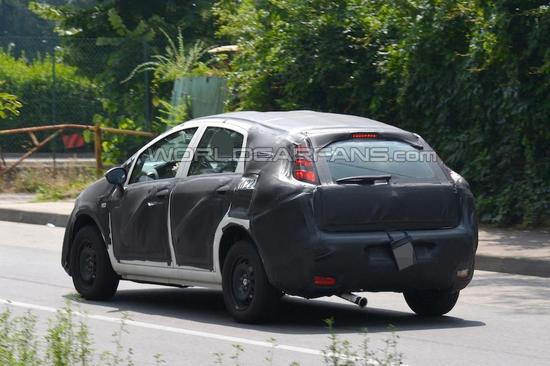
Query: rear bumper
[(365, 262)]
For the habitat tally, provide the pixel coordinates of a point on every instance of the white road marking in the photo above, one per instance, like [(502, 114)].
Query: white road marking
[(189, 332), (246, 341), (195, 333)]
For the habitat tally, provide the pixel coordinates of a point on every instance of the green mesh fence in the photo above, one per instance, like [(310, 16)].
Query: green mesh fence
[(61, 80)]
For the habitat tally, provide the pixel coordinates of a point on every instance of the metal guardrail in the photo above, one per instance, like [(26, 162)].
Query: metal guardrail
[(97, 129)]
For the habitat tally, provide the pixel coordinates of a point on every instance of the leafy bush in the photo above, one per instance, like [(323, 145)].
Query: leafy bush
[(75, 98), (118, 148), (472, 77)]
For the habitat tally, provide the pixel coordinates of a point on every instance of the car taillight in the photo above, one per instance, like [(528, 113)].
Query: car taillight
[(304, 169), (305, 175), (324, 281)]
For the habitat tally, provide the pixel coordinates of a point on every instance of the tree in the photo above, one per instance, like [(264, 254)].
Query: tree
[(109, 40), (471, 76)]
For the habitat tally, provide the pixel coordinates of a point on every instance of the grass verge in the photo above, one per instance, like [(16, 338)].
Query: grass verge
[(67, 183)]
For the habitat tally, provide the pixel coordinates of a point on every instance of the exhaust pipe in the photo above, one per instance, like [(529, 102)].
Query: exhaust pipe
[(357, 300)]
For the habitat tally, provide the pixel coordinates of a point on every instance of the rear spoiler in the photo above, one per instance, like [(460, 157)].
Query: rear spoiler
[(321, 140)]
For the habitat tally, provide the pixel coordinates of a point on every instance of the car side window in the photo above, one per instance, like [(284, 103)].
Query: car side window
[(162, 160), (218, 152)]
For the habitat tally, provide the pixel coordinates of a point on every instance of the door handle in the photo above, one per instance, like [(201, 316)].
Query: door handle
[(222, 189), (163, 193), (153, 203)]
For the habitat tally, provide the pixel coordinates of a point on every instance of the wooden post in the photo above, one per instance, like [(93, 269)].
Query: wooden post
[(2, 161), (97, 148), (34, 138)]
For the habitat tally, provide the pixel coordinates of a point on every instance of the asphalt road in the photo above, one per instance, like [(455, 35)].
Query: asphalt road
[(500, 319)]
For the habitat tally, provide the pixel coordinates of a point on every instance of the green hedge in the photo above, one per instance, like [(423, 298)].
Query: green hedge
[(74, 98), (472, 77)]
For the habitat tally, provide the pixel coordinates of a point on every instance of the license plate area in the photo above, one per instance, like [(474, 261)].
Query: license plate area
[(403, 251)]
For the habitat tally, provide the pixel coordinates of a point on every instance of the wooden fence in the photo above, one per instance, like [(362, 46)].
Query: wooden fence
[(97, 129)]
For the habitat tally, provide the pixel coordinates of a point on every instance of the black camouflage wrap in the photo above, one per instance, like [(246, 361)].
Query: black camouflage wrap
[(302, 230)]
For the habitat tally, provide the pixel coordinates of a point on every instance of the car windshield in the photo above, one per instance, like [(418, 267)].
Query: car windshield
[(366, 158)]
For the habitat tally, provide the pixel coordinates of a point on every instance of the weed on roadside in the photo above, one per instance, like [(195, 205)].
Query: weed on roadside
[(338, 352), (18, 345), (68, 342), (342, 353)]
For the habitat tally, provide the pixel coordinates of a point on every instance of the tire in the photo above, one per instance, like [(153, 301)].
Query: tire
[(431, 302), (91, 270), (247, 293)]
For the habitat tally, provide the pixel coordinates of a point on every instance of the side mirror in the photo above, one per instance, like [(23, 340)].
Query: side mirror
[(116, 176)]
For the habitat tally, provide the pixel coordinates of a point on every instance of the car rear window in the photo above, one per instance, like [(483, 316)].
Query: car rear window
[(365, 157)]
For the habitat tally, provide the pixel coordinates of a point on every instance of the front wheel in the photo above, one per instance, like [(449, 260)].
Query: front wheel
[(247, 293), (93, 275), (431, 302)]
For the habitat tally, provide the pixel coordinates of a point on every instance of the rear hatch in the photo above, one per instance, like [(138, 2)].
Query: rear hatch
[(369, 183)]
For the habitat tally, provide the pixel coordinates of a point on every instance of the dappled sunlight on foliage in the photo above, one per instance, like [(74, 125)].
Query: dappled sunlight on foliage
[(472, 77), (77, 97), (9, 105)]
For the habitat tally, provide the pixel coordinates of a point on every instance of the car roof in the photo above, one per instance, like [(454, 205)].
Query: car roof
[(298, 121)]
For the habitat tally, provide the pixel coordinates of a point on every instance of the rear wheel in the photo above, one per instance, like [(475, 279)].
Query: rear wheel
[(92, 273), (247, 293), (431, 302)]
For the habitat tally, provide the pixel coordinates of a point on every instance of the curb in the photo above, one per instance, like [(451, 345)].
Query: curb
[(511, 265), (35, 218)]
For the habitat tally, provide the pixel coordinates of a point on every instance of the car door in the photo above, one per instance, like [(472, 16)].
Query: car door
[(139, 213), (201, 199)]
